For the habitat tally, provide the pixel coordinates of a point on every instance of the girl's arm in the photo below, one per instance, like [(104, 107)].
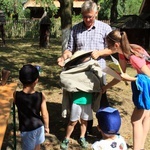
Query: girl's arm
[(123, 64), (100, 53), (44, 113), (109, 85), (125, 76), (146, 70)]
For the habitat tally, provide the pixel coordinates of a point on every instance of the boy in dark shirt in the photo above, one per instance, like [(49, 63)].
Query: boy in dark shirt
[(32, 109)]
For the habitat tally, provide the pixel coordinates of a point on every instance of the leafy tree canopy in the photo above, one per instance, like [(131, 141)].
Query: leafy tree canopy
[(124, 7), (11, 7)]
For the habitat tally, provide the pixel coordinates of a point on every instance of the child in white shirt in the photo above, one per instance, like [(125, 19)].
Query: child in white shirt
[(109, 122)]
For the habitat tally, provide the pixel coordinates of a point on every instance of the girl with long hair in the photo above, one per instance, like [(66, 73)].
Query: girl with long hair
[(139, 59)]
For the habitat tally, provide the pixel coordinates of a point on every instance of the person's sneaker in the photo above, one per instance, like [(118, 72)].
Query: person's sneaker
[(64, 144), (83, 143)]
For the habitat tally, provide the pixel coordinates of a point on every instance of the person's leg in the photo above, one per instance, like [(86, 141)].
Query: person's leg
[(30, 139), (85, 115), (25, 141), (40, 137), (83, 127), (37, 147), (146, 125), (3, 38), (82, 141), (88, 115), (137, 124), (74, 117), (70, 129)]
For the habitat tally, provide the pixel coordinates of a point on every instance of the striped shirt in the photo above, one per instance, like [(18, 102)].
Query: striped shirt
[(82, 38)]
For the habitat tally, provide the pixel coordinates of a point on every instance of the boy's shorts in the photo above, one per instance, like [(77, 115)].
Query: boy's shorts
[(32, 138), (81, 111)]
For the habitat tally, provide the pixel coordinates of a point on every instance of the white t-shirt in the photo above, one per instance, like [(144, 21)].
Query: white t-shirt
[(118, 143)]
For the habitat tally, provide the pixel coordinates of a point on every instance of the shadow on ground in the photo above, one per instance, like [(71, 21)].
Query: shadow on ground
[(21, 51)]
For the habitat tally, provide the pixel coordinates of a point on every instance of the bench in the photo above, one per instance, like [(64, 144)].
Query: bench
[(6, 97)]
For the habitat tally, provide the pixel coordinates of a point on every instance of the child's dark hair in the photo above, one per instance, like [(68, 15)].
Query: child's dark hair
[(28, 74)]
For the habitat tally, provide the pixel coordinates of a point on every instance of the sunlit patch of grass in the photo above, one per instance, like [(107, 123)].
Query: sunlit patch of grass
[(23, 51)]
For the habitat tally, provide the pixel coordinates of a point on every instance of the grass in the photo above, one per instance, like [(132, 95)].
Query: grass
[(23, 51)]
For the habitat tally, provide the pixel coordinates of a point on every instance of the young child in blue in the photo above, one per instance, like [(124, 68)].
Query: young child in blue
[(109, 123), (32, 109)]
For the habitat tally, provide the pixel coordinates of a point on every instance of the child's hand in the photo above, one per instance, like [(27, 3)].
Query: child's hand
[(47, 130)]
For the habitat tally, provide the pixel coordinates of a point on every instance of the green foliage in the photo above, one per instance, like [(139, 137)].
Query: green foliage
[(11, 7), (124, 7), (26, 13), (129, 7), (6, 5), (55, 27), (22, 28), (104, 13), (25, 27), (48, 6), (76, 19)]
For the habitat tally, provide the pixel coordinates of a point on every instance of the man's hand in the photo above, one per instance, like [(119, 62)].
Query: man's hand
[(61, 60)]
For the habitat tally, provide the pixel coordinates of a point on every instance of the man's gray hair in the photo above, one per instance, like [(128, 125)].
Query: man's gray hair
[(89, 5)]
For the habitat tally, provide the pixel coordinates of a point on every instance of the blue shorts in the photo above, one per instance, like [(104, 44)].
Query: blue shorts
[(30, 139)]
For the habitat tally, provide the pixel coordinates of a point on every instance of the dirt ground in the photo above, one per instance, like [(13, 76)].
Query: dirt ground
[(119, 96)]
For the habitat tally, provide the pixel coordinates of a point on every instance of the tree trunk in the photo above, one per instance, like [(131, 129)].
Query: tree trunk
[(66, 7), (2, 34), (44, 35), (44, 30), (114, 11)]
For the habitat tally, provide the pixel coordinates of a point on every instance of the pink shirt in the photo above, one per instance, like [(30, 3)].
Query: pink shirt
[(137, 62)]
